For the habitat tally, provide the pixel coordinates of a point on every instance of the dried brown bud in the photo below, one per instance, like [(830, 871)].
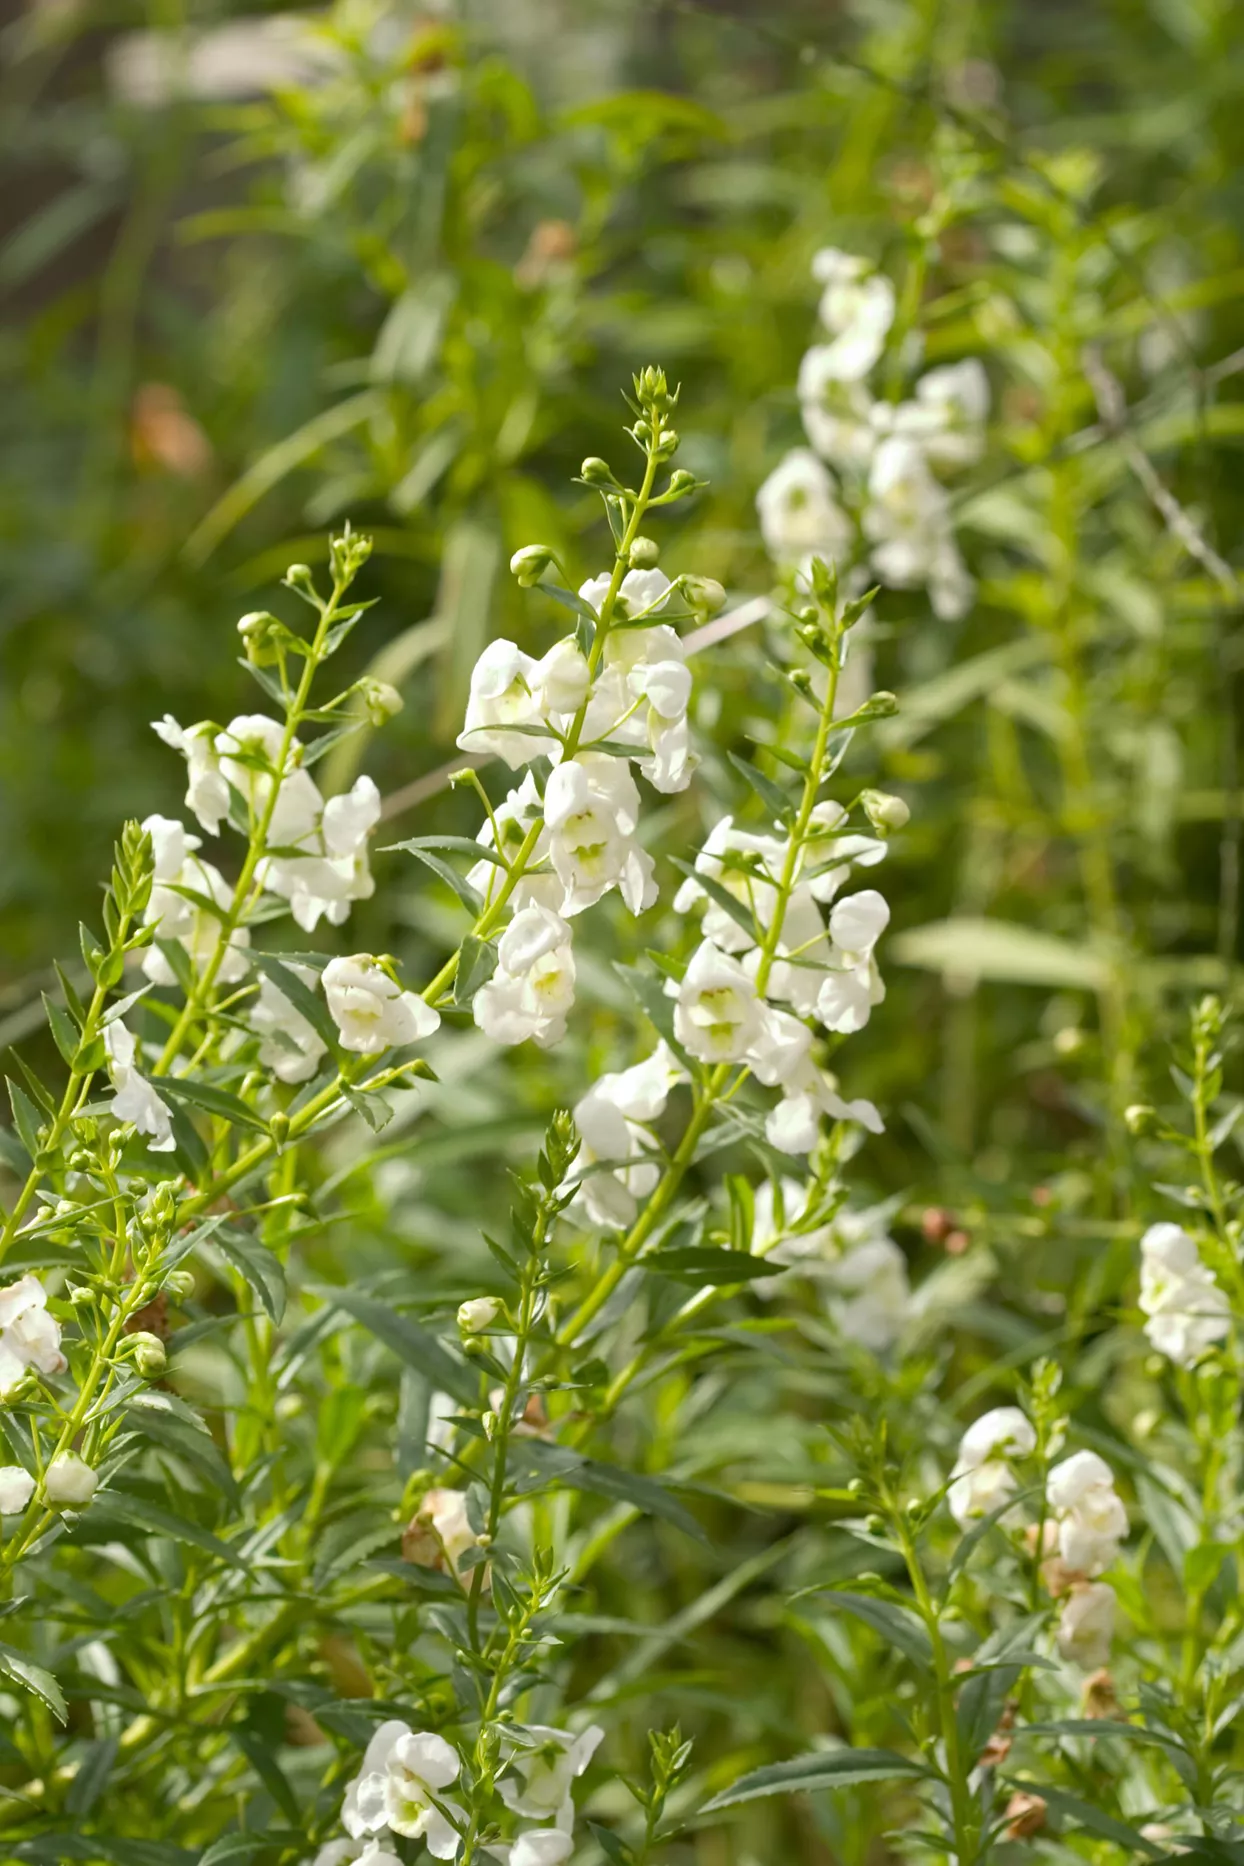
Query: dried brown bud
[(936, 1224), (1025, 1815)]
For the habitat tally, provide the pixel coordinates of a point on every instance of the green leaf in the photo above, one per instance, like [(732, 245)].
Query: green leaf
[(707, 1267), (450, 876), (659, 1008), (269, 1772), (413, 1345), (476, 966), (55, 1849), (833, 1768), (972, 1538), (257, 1264), (896, 1626), (1105, 1726), (738, 911), (211, 1100), (1092, 1818), (25, 1118), (22, 1671), (560, 1467), (770, 794), (138, 1513), (92, 1776), (452, 845), (308, 1003), (62, 1028), (375, 1108), (970, 948)]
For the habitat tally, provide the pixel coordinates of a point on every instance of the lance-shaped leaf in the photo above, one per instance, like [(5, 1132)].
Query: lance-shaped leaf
[(832, 1768), (210, 1100), (414, 1345), (560, 1467), (22, 1671)]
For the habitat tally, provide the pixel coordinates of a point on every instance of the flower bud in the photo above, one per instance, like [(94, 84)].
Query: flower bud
[(149, 1353), (530, 564), (704, 595), (1139, 1118), (380, 700), (81, 1295), (69, 1482), (644, 553), (179, 1284), (298, 577), (682, 482), (885, 811), (490, 1422), (597, 472), (478, 1315), (278, 1128), (260, 633)]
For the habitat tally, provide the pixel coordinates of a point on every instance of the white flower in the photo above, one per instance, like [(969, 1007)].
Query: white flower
[(799, 513), (207, 794), (591, 808), (641, 700), (836, 414), (69, 1483), (1187, 1310), (982, 1478), (953, 403), (872, 1296), (532, 989), (249, 750), (548, 1769), (291, 1047), (747, 866), (16, 1489), (135, 1100), (348, 1853), (172, 916), (850, 990), (447, 1512), (479, 1314), (718, 1016), (612, 1120), (1086, 1625), (641, 593), (907, 519), (29, 1336), (334, 872), (1090, 1515), (560, 681), (779, 1241), (539, 1846), (403, 1770), (857, 308), (371, 1012), (503, 696), (809, 1092)]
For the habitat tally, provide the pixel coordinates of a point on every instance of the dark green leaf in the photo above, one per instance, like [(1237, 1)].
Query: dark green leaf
[(414, 1345), (1092, 1818), (308, 1003), (25, 1117), (770, 794), (896, 1626), (476, 965), (211, 1100), (62, 1028), (139, 1513), (92, 1776), (738, 911), (708, 1267), (450, 876), (560, 1467), (269, 1772), (22, 1671), (256, 1263), (833, 1768)]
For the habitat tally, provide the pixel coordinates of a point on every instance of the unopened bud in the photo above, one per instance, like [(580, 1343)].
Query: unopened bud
[(179, 1284), (81, 1295), (278, 1128), (260, 633), (381, 701), (682, 482), (490, 1422), (478, 1315), (298, 577), (530, 564), (884, 811), (597, 472), (644, 553), (704, 595), (1139, 1118), (149, 1354)]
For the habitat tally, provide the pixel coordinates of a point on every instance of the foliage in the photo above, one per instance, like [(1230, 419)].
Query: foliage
[(598, 1371)]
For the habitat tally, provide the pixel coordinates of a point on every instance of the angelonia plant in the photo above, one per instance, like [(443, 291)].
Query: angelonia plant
[(303, 1563)]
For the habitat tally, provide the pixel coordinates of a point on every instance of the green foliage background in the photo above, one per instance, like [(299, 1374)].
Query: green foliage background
[(407, 297)]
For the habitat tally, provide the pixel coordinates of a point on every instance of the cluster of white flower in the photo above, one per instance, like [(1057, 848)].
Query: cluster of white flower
[(830, 972), (886, 454), (617, 1165), (316, 852), (400, 1789), (1086, 1524), (631, 709), (861, 1267), (1187, 1311), (30, 1337)]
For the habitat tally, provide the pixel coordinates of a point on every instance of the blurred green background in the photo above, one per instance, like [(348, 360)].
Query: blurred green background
[(262, 272)]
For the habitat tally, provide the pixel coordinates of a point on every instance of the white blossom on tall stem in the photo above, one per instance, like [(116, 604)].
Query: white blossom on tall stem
[(1088, 1511), (982, 1478), (857, 308), (29, 1335), (532, 989), (333, 873), (591, 810), (372, 1012), (613, 1120), (854, 985), (1086, 1624), (400, 1788), (171, 915), (1187, 1311), (207, 793), (540, 1789), (291, 1047), (800, 516), (134, 1098), (503, 699)]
